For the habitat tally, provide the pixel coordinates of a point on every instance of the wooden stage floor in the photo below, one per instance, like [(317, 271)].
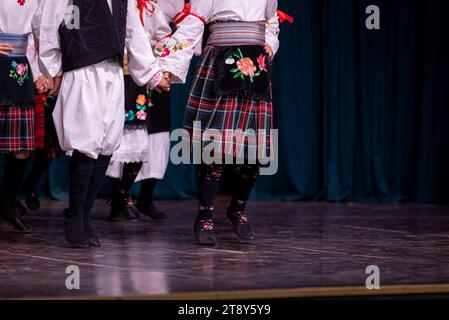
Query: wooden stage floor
[(301, 250)]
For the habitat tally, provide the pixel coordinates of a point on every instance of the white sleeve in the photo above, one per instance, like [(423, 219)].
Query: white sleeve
[(272, 26), (170, 8), (181, 46), (143, 65), (157, 25), (53, 13), (33, 57)]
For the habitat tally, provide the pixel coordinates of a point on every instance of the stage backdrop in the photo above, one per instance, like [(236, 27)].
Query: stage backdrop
[(362, 115)]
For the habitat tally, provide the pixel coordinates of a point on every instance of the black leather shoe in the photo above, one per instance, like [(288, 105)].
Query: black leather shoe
[(18, 223), (11, 215), (32, 201), (92, 238), (75, 235), (151, 211), (241, 225), (123, 209), (204, 232), (21, 210)]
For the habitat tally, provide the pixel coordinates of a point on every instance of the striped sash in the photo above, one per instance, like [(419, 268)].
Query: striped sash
[(237, 33), (19, 43)]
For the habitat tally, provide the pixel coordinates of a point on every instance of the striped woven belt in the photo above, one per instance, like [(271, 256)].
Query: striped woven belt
[(237, 33), (19, 43)]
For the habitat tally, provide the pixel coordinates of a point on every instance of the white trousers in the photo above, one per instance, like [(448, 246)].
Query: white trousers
[(89, 113)]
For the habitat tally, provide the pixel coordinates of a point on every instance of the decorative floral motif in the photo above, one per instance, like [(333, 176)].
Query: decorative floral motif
[(261, 61), (206, 225), (141, 115), (230, 61), (150, 102), (141, 106), (245, 66), (19, 72), (141, 100), (163, 50), (130, 116), (241, 217), (21, 2)]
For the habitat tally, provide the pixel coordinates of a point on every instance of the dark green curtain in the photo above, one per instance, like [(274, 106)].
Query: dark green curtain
[(362, 115)]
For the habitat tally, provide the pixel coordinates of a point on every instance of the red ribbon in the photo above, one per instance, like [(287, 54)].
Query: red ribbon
[(187, 11), (284, 17), (144, 5)]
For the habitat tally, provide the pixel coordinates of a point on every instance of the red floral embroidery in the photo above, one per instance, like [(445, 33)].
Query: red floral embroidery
[(21, 2), (262, 63), (247, 67)]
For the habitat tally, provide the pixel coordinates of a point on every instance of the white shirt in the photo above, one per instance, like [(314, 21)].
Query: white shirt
[(192, 28), (142, 63), (16, 19)]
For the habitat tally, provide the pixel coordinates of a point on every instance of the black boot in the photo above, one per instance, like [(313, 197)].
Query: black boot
[(208, 182), (13, 172), (101, 166), (9, 212), (21, 209), (122, 208), (29, 187), (145, 203), (122, 205), (240, 224), (244, 177), (204, 228), (81, 170)]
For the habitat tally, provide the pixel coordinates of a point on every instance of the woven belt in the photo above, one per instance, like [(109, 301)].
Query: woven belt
[(235, 33), (19, 43)]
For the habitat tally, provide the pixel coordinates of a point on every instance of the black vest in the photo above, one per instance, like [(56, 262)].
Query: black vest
[(101, 35)]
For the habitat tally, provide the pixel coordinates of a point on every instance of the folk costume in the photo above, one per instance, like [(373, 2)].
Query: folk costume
[(49, 148), (89, 111), (231, 91), (144, 151), (20, 121)]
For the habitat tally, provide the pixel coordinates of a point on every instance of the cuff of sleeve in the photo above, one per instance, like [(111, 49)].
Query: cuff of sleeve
[(155, 80), (36, 76), (177, 75), (274, 44)]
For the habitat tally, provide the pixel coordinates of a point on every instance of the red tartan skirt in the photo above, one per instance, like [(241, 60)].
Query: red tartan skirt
[(226, 113), (50, 144), (21, 129), (21, 121), (39, 121)]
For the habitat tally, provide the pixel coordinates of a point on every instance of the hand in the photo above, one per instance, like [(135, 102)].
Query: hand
[(165, 83), (56, 86), (43, 84), (5, 49), (269, 50)]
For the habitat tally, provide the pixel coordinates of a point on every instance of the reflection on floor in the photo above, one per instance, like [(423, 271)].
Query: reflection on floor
[(299, 246)]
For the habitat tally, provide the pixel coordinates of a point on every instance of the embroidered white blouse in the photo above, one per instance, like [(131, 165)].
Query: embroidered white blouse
[(16, 17), (191, 29), (156, 23), (143, 65)]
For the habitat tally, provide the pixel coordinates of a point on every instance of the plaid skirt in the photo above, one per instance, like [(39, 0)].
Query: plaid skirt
[(17, 105), (50, 144), (230, 114), (16, 129), (39, 121)]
